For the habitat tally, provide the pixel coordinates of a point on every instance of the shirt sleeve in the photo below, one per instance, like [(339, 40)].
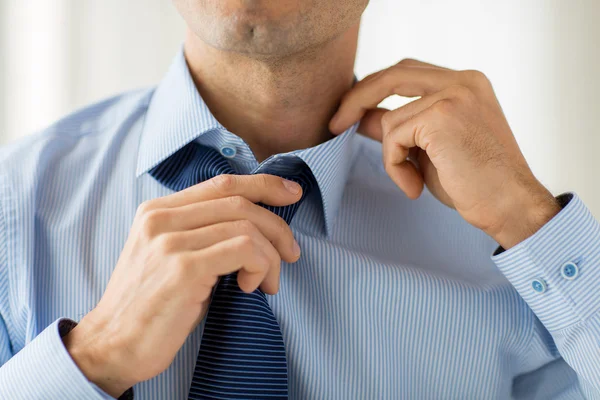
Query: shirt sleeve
[(44, 370), (547, 375), (557, 272)]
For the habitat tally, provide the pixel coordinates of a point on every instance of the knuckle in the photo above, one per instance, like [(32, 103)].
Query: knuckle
[(183, 263), (283, 229), (369, 78), (263, 180), (476, 79), (244, 226), (265, 261), (145, 207), (445, 107), (239, 203), (166, 243), (274, 257), (245, 243), (389, 79), (407, 61), (223, 183), (461, 92), (151, 222)]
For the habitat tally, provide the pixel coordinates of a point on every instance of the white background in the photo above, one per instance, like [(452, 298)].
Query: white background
[(541, 55)]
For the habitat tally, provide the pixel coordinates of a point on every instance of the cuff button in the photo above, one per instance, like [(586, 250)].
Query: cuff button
[(569, 271), (538, 285)]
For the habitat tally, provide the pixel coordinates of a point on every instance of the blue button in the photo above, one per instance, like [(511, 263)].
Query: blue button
[(539, 285), (228, 151), (569, 270)]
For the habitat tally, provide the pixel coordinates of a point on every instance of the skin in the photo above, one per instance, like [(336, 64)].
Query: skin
[(279, 74), (274, 63)]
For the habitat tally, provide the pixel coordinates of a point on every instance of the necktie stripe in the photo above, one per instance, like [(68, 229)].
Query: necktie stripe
[(244, 323), (214, 370), (242, 354), (222, 393), (226, 391), (232, 337), (230, 306), (231, 389), (276, 353), (227, 378), (269, 368), (249, 346)]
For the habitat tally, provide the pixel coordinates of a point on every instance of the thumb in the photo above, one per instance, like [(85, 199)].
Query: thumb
[(370, 124)]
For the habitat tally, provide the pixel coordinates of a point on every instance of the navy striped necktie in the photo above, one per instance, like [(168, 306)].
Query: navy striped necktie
[(242, 355)]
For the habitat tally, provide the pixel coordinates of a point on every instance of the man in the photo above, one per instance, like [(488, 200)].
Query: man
[(128, 217)]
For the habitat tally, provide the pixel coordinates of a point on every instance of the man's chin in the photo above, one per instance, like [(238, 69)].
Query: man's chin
[(258, 41)]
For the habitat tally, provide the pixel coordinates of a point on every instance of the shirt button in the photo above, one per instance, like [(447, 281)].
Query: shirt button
[(539, 285), (228, 151), (569, 270)]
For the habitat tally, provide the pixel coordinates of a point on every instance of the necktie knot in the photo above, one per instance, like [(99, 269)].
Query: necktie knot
[(195, 163)]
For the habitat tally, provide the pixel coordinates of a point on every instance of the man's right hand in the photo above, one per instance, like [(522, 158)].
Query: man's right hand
[(178, 247)]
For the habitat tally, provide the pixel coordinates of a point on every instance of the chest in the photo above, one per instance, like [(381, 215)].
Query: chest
[(390, 305)]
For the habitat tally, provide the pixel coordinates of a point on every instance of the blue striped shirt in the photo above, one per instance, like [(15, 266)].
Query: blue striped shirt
[(392, 298)]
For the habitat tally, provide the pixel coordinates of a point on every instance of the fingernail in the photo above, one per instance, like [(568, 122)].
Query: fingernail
[(296, 249), (291, 186)]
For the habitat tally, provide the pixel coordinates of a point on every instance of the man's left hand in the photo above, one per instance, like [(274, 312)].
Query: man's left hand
[(456, 140)]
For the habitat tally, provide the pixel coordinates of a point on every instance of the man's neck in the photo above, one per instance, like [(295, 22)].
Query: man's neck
[(275, 104)]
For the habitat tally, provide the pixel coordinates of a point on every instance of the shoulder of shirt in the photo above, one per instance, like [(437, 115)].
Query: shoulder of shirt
[(98, 121), (95, 119), (24, 161)]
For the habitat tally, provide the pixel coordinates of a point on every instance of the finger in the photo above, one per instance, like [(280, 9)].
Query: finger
[(391, 119), (415, 132), (207, 236), (236, 254), (370, 124), (372, 76), (270, 284), (432, 179), (421, 130), (402, 171), (411, 62), (377, 122), (263, 188), (235, 208), (400, 80)]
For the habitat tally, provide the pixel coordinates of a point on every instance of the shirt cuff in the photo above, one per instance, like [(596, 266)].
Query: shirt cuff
[(43, 369), (64, 327), (556, 270)]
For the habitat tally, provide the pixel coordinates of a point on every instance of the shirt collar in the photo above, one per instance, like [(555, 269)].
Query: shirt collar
[(177, 115), (330, 164)]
